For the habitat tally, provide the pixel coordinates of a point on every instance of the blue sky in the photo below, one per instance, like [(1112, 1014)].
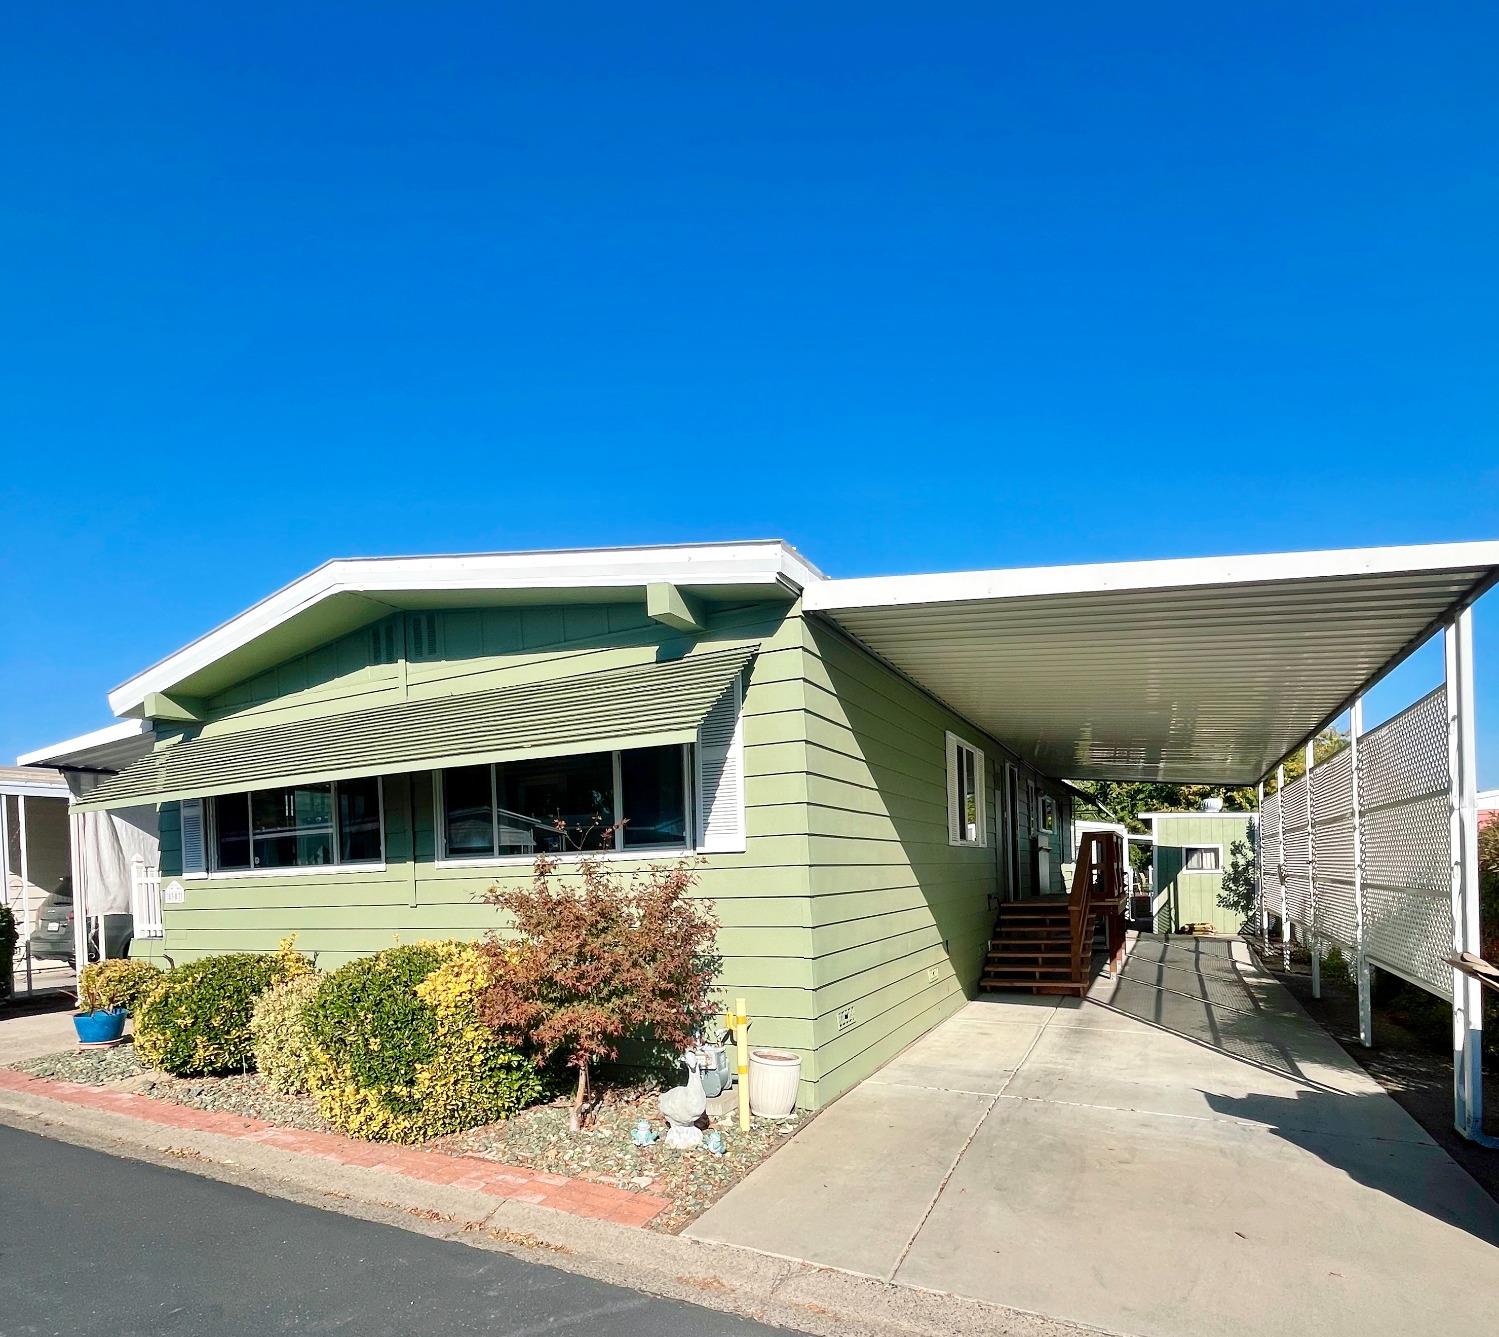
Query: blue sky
[(914, 287)]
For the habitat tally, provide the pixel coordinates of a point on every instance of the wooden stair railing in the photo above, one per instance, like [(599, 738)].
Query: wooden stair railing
[(1045, 944)]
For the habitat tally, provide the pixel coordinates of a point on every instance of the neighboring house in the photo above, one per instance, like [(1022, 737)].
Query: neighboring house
[(1488, 806), (1190, 852), (102, 853), (869, 769), (33, 841)]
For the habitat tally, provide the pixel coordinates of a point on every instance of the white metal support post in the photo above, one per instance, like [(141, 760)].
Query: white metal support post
[(80, 918), (1467, 999), (1311, 876), (1280, 868), (1259, 863), (26, 925), (1360, 948)]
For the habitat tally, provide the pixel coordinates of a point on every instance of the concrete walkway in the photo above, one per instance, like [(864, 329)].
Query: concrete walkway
[(1185, 1153)]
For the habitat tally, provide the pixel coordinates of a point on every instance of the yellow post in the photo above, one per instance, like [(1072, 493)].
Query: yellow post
[(738, 1022)]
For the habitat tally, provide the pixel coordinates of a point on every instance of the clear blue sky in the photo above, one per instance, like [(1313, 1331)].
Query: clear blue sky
[(916, 288)]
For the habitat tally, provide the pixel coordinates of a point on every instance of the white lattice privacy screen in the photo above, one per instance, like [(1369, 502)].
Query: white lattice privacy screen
[(1402, 794)]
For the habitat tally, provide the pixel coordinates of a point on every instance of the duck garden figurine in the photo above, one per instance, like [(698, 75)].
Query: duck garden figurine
[(683, 1106)]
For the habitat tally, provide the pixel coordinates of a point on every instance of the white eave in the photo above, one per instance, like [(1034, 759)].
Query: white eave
[(111, 748), (1204, 670), (383, 583)]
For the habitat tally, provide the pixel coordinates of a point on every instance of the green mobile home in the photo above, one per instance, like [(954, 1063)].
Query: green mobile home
[(1190, 854), (358, 760)]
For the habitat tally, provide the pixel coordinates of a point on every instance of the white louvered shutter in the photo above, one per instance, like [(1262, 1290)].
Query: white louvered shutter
[(720, 774), (954, 817), (194, 853)]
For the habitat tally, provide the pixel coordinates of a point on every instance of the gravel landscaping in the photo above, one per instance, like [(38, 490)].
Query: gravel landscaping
[(537, 1137), (603, 1152), (90, 1067)]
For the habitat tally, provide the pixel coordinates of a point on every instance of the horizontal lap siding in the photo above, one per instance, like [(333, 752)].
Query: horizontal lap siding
[(759, 897), (892, 902)]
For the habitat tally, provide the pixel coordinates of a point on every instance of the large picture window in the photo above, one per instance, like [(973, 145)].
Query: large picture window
[(630, 800), (304, 826)]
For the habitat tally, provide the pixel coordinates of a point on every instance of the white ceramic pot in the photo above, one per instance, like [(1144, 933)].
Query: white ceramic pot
[(774, 1079)]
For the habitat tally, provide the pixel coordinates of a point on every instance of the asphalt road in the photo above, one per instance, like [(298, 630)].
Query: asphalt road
[(91, 1243)]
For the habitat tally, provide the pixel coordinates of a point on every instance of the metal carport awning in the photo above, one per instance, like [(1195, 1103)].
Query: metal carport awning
[(1205, 670), (645, 705)]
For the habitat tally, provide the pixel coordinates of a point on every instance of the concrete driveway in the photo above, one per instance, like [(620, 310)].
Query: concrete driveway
[(1184, 1153), (30, 1028)]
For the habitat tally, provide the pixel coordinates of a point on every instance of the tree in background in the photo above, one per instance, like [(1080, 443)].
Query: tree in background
[(1238, 891), (1124, 801)]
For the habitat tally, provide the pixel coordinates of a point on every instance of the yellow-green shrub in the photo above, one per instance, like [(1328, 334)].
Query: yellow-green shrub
[(196, 1022), (398, 1053), (278, 1032), (105, 985)]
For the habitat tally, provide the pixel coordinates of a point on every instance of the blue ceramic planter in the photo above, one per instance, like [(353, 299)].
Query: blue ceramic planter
[(99, 1028)]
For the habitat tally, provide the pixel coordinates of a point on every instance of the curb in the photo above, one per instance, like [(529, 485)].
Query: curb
[(772, 1290)]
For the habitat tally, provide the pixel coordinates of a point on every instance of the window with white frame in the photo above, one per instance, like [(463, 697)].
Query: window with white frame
[(1202, 858), (636, 799), (965, 793), (335, 824)]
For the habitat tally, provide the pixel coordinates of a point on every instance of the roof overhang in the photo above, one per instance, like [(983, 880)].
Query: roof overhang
[(343, 595), (32, 782), (111, 748), (1206, 670)]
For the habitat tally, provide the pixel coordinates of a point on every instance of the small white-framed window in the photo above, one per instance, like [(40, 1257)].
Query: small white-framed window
[(1202, 858), (1048, 813), (965, 793)]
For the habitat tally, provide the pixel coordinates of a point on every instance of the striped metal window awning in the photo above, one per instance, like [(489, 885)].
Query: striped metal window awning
[(645, 705)]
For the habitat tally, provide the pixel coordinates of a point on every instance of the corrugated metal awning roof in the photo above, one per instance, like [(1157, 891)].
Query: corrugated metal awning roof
[(647, 705), (1206, 670)]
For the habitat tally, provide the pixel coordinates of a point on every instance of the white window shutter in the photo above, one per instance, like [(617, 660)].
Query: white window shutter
[(954, 817), (194, 854), (720, 774)]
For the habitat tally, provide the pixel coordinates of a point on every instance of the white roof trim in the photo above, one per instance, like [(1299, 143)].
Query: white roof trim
[(1173, 573), (757, 562), (1197, 812), (1488, 800), (33, 786), (75, 749)]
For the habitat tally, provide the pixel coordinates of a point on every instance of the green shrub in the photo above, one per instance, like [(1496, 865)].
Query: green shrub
[(278, 1033), (120, 983), (197, 1020), (8, 936), (398, 1053)]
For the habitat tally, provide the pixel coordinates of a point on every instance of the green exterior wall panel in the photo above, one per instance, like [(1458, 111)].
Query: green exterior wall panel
[(849, 923)]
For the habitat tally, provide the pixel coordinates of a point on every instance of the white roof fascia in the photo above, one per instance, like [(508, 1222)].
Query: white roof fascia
[(72, 751), (1172, 573), (1488, 800), (1197, 812), (756, 562), (33, 787)]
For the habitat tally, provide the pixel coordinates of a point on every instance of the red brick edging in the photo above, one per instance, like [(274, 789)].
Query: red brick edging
[(601, 1202)]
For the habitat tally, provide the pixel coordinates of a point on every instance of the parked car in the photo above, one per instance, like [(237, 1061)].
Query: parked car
[(52, 938)]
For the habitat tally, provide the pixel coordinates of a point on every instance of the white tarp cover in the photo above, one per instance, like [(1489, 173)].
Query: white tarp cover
[(105, 845)]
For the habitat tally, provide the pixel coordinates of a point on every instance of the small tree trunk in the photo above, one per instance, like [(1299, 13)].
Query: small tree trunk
[(575, 1124)]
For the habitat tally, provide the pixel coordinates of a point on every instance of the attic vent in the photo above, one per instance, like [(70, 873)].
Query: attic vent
[(383, 643), (424, 636)]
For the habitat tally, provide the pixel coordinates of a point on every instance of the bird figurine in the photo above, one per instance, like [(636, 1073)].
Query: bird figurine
[(683, 1106)]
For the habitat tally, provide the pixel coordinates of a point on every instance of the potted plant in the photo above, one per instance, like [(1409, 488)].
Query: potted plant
[(107, 991)]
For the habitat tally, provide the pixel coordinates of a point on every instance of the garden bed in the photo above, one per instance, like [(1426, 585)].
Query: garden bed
[(536, 1138)]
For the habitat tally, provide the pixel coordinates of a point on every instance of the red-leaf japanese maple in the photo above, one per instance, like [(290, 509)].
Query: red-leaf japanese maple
[(597, 958)]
